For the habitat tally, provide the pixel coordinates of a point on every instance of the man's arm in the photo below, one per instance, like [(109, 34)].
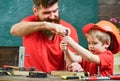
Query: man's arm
[(25, 28)]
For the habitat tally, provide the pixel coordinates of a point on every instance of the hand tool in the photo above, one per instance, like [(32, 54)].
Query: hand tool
[(70, 77), (112, 77), (66, 34)]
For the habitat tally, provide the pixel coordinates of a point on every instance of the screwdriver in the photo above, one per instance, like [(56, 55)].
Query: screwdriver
[(96, 78), (66, 34), (113, 77)]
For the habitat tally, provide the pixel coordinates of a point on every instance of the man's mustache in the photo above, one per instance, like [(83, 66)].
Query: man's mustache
[(53, 20)]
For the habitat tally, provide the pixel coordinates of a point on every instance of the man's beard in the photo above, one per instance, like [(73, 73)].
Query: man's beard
[(48, 32)]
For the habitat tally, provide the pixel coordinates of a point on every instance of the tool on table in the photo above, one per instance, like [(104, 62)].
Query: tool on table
[(112, 77), (12, 70), (95, 78), (70, 77), (21, 56), (115, 77), (37, 74), (6, 71)]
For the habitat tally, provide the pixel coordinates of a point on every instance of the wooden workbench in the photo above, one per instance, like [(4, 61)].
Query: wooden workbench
[(24, 78), (49, 78), (53, 76)]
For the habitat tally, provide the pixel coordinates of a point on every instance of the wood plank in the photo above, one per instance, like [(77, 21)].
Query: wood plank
[(67, 73)]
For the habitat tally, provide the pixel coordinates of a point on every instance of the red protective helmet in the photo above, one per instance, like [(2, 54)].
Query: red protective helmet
[(107, 27)]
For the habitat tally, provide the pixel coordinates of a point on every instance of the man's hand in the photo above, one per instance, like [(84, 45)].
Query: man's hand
[(58, 29)]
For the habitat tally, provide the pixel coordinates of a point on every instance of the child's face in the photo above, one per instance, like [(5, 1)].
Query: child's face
[(95, 46)]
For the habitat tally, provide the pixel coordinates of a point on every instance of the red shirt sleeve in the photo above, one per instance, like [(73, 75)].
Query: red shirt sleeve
[(106, 63)]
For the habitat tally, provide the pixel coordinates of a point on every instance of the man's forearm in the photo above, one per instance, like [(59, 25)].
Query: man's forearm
[(25, 28)]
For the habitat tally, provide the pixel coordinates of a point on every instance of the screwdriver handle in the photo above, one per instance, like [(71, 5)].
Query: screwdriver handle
[(115, 77), (66, 33)]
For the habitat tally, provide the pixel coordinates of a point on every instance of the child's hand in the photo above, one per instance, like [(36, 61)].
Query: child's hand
[(75, 67), (63, 44), (69, 40)]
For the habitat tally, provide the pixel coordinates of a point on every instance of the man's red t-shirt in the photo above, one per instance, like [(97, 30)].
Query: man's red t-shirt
[(105, 66), (43, 54)]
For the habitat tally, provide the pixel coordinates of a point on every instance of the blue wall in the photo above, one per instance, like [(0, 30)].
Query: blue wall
[(76, 12)]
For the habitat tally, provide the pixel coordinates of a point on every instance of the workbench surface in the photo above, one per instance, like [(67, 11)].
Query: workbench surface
[(49, 78), (24, 78)]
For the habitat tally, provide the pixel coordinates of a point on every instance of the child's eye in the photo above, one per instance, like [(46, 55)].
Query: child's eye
[(95, 43), (88, 42)]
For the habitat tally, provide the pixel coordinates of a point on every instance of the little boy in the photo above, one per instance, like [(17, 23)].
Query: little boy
[(103, 41)]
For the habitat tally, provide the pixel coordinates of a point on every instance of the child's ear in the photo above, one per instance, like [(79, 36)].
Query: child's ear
[(107, 44)]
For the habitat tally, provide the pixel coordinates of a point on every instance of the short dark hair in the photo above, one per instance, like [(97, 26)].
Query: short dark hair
[(44, 3)]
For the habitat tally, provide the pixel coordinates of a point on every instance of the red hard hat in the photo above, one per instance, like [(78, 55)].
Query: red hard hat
[(107, 27)]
